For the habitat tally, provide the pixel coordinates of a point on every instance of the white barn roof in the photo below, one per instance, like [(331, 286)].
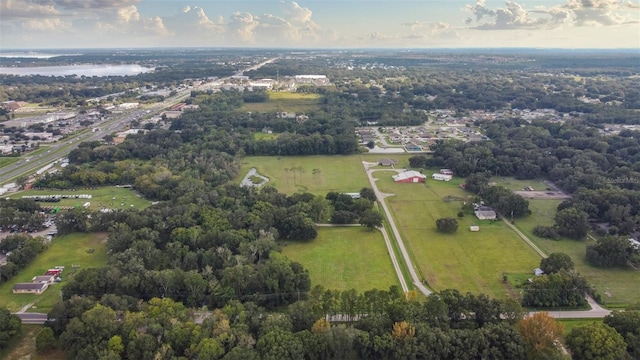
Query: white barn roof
[(407, 175)]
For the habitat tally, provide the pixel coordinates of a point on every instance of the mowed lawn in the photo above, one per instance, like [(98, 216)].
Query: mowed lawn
[(5, 161), (315, 174), (68, 250), (467, 261), (109, 197), (286, 101), (618, 286), (343, 258)]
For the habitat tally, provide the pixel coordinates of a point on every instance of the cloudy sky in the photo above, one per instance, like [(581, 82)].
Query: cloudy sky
[(26, 24)]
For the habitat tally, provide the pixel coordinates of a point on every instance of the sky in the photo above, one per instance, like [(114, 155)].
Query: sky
[(60, 24)]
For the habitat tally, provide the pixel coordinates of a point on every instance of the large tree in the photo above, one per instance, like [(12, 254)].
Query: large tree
[(540, 333), (371, 219), (10, 326), (627, 324), (556, 262), (572, 223), (596, 341), (447, 225)]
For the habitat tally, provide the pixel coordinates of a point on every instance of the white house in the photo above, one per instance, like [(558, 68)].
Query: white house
[(441, 177)]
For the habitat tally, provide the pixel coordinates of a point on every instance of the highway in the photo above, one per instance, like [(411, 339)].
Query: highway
[(28, 165)]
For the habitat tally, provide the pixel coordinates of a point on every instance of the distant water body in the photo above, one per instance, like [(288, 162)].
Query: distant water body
[(88, 70), (31, 55)]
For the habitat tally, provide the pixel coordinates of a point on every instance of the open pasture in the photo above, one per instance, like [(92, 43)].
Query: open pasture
[(343, 258), (467, 261), (286, 101), (109, 197), (315, 174)]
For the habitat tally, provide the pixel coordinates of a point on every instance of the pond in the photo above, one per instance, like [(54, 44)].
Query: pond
[(88, 70)]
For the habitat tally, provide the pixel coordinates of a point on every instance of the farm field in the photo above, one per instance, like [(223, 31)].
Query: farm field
[(286, 101), (101, 198), (614, 284), (467, 261), (342, 258), (316, 174), (68, 250)]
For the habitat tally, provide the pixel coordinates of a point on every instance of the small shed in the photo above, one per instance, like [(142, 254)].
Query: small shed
[(538, 272), (474, 228)]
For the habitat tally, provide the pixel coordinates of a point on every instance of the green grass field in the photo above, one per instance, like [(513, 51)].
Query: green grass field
[(343, 258), (65, 251), (467, 261), (517, 185), (315, 174), (618, 286), (569, 324), (263, 136), (286, 101), (109, 197), (5, 161)]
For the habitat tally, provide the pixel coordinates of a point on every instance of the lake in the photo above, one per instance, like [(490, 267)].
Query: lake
[(88, 70)]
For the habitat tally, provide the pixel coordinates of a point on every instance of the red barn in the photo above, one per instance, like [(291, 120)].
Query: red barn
[(410, 177)]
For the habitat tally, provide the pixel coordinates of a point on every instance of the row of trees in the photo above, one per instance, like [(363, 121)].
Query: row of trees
[(20, 249), (447, 325)]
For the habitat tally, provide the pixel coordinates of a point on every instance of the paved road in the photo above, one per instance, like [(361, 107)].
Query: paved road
[(403, 250), (32, 318), (115, 124), (596, 311)]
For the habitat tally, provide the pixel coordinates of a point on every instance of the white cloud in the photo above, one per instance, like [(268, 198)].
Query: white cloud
[(24, 9), (53, 24), (240, 27), (92, 4), (573, 12)]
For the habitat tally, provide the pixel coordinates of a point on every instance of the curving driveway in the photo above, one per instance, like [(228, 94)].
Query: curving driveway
[(403, 250)]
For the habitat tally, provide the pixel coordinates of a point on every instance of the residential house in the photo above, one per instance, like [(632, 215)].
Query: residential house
[(485, 213), (29, 288), (387, 162), (47, 279)]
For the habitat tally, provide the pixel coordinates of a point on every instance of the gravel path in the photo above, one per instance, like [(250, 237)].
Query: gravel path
[(246, 181), (403, 250)]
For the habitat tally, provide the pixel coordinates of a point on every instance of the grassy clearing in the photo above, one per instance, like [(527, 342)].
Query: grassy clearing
[(467, 261), (315, 174), (5, 161), (24, 346), (517, 185), (570, 324), (109, 197), (618, 286), (65, 251), (343, 258), (286, 101), (263, 136)]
